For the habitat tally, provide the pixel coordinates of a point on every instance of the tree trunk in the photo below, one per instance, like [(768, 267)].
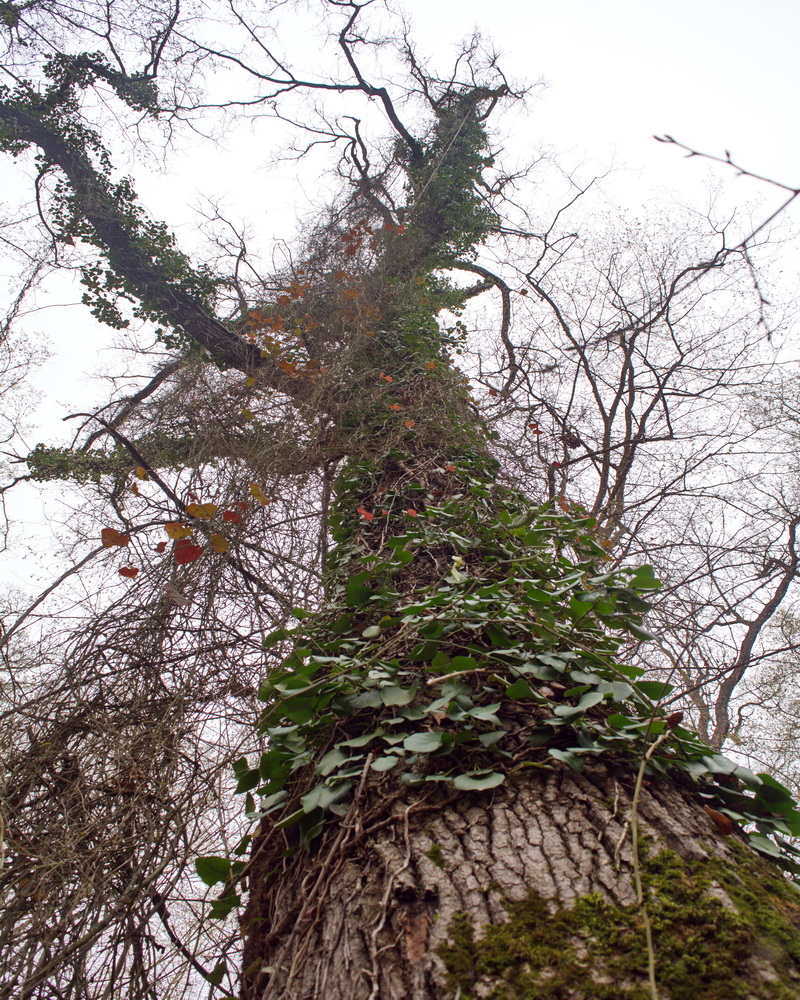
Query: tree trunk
[(524, 891)]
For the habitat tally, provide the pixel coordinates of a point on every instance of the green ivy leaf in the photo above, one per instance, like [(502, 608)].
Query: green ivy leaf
[(568, 757), (519, 689), (220, 908), (478, 781), (385, 763), (323, 795), (217, 973), (213, 869), (423, 742)]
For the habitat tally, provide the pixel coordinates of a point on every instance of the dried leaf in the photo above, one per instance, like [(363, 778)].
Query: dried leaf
[(674, 719), (111, 537), (175, 530), (202, 511), (186, 552), (720, 821), (219, 543), (256, 491)]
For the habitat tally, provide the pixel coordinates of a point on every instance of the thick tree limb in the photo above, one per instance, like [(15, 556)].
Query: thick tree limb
[(94, 201)]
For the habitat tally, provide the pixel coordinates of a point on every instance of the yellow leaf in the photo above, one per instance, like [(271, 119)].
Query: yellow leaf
[(141, 472), (202, 511), (255, 491), (249, 380), (219, 543), (248, 414), (176, 530)]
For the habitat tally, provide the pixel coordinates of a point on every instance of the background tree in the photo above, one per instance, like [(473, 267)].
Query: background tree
[(451, 737)]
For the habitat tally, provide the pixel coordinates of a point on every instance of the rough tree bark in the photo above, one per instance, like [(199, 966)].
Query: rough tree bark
[(526, 891), (509, 872)]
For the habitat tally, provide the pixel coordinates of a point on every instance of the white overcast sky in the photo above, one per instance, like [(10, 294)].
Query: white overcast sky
[(717, 74)]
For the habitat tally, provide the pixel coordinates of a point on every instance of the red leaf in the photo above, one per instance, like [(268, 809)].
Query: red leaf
[(365, 514), (161, 547), (186, 552), (243, 505), (233, 516), (129, 571)]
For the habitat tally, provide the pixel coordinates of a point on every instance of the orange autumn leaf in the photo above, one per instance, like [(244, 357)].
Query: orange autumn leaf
[(176, 530), (110, 537), (720, 821), (283, 300), (219, 543), (411, 512), (493, 392), (350, 293), (365, 514), (386, 378), (140, 472), (396, 406), (186, 551), (256, 491), (408, 423), (202, 511), (449, 468), (129, 571), (429, 365)]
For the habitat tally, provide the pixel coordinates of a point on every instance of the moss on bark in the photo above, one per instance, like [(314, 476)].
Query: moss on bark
[(719, 932)]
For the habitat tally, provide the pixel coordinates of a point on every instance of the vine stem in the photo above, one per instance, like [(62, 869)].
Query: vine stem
[(637, 872)]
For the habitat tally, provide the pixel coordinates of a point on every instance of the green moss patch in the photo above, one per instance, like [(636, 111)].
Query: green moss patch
[(721, 932)]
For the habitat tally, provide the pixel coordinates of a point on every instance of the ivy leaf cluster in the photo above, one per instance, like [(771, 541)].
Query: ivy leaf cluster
[(511, 659)]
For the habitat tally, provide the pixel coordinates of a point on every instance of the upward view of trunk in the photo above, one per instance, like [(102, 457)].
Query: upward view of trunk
[(461, 792), (524, 891), (466, 792)]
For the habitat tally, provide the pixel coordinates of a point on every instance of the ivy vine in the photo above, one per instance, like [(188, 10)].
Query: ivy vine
[(510, 660)]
